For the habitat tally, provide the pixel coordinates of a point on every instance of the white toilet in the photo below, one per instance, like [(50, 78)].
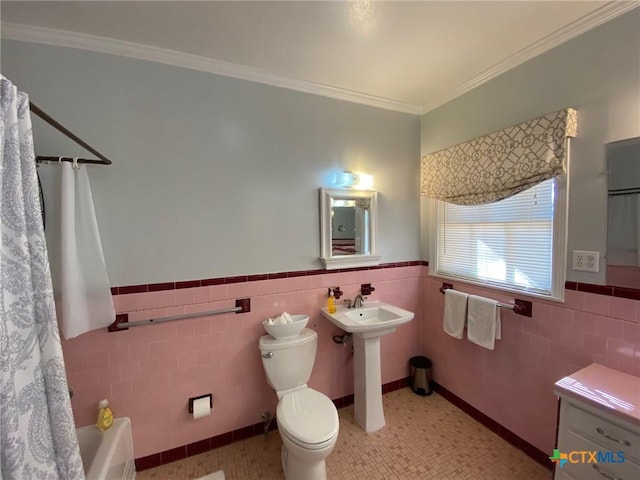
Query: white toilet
[(307, 419)]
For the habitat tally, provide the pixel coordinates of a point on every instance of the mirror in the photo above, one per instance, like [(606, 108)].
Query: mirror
[(623, 213), (348, 228)]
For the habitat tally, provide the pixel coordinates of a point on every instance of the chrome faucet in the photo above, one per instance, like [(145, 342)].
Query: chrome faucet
[(358, 302)]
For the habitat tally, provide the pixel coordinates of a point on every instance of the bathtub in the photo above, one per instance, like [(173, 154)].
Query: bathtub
[(107, 455)]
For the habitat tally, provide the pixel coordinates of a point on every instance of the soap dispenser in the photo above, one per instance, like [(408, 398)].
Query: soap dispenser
[(105, 416), (331, 302)]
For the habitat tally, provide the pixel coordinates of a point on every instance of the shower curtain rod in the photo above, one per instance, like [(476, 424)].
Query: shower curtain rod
[(67, 133)]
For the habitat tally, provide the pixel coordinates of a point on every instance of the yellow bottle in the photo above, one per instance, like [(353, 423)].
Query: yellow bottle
[(105, 416), (331, 302)]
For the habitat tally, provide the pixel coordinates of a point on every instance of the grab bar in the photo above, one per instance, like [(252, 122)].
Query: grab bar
[(122, 322), (521, 307)]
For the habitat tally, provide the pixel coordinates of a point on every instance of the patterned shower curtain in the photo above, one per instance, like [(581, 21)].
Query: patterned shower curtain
[(37, 433)]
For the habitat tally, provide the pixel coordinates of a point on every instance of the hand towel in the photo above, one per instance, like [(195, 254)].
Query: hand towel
[(483, 321), (455, 312)]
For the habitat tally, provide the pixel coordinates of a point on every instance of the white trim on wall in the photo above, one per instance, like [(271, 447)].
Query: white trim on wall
[(49, 36), (63, 38), (602, 15)]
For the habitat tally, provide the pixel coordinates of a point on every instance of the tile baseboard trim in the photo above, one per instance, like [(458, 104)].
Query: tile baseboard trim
[(607, 290), (202, 446), (532, 452), (156, 287)]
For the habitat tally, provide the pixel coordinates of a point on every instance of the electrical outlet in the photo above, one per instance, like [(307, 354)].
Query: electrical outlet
[(586, 261)]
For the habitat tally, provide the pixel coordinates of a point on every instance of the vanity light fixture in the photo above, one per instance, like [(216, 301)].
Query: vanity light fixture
[(360, 181)]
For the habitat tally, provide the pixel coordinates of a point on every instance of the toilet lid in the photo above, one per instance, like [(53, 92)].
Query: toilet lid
[(308, 416)]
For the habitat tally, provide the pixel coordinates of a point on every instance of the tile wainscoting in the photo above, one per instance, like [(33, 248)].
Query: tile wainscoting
[(513, 384), (257, 429), (207, 444), (148, 373)]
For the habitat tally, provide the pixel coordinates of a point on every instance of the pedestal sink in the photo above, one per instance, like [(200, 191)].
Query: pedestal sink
[(367, 325)]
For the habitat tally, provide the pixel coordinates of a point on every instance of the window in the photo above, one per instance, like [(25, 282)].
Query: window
[(516, 244)]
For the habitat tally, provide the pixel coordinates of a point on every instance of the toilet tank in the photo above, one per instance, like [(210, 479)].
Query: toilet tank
[(292, 360)]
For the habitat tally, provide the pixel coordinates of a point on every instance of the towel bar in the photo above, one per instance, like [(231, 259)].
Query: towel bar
[(122, 322), (521, 307)]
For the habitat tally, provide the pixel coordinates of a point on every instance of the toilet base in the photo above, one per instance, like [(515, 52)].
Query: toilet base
[(302, 469)]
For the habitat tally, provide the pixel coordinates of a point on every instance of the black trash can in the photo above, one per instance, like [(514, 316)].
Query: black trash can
[(421, 376)]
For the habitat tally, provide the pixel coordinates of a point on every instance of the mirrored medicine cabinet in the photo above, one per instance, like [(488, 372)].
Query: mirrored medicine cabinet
[(348, 228), (623, 213)]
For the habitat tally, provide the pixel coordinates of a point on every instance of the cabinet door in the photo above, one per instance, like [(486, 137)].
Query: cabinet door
[(608, 434), (583, 467)]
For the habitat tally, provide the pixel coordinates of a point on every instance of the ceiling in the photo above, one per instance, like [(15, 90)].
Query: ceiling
[(405, 56)]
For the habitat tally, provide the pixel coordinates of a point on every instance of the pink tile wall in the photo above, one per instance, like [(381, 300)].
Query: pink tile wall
[(513, 384), (148, 373), (623, 276)]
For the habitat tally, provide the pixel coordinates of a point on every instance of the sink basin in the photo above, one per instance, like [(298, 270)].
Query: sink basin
[(368, 324), (373, 317)]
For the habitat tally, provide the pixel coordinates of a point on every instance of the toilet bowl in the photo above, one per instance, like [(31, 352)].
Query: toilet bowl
[(307, 419), (308, 425)]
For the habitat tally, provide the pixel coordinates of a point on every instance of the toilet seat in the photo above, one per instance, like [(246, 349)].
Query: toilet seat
[(308, 418)]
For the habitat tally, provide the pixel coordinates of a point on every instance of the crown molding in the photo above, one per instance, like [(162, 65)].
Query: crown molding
[(597, 17), (63, 38)]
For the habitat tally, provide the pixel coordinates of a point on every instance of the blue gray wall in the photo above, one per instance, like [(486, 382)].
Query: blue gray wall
[(213, 176), (598, 74)]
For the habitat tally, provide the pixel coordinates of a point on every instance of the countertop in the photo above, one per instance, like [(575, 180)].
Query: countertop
[(596, 384)]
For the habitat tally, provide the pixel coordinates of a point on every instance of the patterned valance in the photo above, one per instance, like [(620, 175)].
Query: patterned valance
[(501, 164)]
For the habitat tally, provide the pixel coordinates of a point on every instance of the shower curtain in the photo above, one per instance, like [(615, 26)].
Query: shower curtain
[(81, 284), (37, 433)]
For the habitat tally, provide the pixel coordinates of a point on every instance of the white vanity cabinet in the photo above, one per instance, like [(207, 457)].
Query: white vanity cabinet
[(599, 425)]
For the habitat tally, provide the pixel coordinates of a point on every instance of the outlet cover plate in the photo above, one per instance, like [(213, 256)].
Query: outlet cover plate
[(586, 261)]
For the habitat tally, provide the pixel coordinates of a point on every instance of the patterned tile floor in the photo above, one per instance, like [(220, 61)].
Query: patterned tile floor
[(425, 438)]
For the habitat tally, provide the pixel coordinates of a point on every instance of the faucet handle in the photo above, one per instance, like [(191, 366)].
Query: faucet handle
[(366, 289), (348, 302), (337, 292)]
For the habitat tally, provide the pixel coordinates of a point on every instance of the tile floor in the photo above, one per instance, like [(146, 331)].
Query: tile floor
[(425, 438)]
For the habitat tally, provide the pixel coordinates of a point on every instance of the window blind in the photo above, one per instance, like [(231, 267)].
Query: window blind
[(508, 243)]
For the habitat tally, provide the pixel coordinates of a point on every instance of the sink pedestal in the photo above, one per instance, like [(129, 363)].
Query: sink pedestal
[(368, 411), (367, 325)]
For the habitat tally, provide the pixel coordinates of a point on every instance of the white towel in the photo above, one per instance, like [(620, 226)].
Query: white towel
[(483, 321), (455, 312), (281, 319)]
